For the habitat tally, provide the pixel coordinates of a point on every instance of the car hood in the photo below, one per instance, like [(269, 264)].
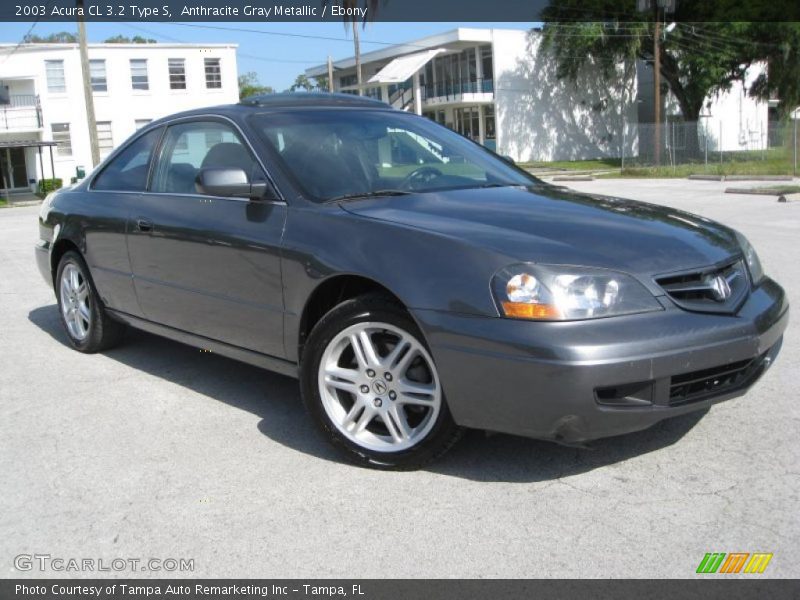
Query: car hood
[(547, 224)]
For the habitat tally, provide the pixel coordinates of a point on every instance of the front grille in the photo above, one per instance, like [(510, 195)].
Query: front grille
[(701, 385), (716, 289)]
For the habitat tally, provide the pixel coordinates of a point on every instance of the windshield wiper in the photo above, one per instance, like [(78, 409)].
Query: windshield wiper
[(371, 194)]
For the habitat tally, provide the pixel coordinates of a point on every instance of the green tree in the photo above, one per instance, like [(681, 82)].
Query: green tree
[(137, 39), (699, 56), (62, 37), (321, 82), (250, 86), (301, 82)]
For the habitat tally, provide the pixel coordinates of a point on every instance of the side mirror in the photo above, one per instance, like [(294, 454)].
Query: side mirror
[(508, 159), (229, 183)]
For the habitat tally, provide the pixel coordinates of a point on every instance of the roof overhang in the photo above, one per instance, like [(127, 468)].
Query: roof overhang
[(25, 144), (403, 67)]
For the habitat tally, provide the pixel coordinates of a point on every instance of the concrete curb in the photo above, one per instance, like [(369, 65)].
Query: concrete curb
[(573, 178), (707, 177), (789, 197)]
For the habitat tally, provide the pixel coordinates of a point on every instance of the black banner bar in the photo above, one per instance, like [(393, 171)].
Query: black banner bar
[(703, 588), (266, 11)]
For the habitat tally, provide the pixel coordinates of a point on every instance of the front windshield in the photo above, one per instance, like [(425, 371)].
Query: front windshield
[(335, 154)]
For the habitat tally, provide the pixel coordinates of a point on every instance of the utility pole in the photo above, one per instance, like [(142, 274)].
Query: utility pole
[(87, 86), (330, 73), (657, 86), (357, 45)]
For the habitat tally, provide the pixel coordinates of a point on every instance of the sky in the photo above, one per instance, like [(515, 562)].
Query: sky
[(277, 59)]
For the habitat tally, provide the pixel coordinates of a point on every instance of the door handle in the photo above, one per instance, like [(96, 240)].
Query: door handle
[(144, 225)]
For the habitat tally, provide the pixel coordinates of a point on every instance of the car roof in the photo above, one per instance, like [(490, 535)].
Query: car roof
[(282, 101)]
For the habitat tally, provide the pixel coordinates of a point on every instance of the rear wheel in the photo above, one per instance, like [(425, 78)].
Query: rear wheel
[(371, 385), (88, 326)]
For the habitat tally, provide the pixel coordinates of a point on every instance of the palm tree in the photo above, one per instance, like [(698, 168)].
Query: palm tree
[(352, 21)]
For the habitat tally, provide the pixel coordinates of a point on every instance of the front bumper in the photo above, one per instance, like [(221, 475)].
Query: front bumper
[(582, 380)]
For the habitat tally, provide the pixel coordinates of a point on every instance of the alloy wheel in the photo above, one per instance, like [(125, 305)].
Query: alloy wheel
[(379, 387), (75, 302)]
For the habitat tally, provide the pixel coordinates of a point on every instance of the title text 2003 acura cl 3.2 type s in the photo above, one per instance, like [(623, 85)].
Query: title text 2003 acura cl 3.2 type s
[(414, 282)]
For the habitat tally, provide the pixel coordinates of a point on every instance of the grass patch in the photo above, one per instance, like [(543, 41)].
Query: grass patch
[(749, 167), (3, 202), (775, 161)]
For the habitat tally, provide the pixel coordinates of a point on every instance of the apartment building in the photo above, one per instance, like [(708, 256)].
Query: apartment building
[(43, 124), (498, 87)]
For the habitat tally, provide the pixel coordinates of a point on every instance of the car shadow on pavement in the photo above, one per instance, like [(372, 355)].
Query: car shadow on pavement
[(275, 399)]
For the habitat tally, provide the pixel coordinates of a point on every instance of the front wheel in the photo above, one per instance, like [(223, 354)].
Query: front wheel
[(371, 385)]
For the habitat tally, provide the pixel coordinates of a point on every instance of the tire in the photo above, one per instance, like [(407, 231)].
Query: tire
[(88, 327), (381, 404)]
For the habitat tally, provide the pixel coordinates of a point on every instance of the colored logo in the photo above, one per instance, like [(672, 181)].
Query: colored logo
[(735, 562)]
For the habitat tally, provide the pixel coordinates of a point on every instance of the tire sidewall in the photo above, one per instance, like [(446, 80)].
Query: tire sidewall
[(351, 312)]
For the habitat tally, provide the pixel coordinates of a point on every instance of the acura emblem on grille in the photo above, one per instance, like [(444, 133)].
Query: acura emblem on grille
[(720, 288)]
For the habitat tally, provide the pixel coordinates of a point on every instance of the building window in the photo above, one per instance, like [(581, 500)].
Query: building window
[(56, 84), (139, 123), (213, 73), (97, 75), (62, 139), (139, 74), (104, 140), (177, 74)]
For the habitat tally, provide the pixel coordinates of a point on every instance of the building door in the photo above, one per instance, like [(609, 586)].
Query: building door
[(12, 164)]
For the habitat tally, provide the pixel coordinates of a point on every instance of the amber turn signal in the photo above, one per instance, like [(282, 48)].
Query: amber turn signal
[(525, 310)]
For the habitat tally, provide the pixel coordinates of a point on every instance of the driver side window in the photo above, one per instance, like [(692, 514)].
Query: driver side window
[(190, 147)]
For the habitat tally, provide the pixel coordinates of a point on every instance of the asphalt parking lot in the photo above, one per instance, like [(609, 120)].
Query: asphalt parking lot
[(158, 450)]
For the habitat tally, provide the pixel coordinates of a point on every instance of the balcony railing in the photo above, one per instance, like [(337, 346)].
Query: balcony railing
[(455, 90), (22, 112)]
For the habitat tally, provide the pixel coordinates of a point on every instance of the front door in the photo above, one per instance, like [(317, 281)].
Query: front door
[(205, 264), (14, 170)]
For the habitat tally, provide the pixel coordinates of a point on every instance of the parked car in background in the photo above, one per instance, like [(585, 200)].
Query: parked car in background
[(413, 281)]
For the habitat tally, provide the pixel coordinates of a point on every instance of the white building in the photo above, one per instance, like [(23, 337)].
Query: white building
[(42, 99), (496, 87)]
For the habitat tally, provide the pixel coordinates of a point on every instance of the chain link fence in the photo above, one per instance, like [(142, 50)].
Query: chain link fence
[(713, 147)]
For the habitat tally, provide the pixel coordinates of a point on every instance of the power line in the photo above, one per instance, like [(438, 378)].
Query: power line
[(242, 54), (296, 35)]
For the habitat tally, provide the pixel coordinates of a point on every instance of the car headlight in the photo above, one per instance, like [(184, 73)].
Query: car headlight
[(561, 293), (751, 258)]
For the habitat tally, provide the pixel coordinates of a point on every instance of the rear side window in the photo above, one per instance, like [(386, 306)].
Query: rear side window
[(128, 171)]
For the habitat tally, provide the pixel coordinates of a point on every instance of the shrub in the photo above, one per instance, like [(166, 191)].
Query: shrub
[(49, 185)]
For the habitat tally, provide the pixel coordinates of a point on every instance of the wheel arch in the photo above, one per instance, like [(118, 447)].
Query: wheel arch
[(60, 248), (332, 292)]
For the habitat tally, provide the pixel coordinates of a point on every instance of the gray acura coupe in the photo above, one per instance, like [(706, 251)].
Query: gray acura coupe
[(415, 282)]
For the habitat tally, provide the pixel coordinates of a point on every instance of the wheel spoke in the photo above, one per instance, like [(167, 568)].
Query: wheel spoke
[(83, 310), (398, 415), (349, 375), (390, 359), (364, 420), (414, 388), (65, 291), (405, 362), (345, 386), (83, 291), (370, 352), (355, 342), (74, 280), (350, 418)]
